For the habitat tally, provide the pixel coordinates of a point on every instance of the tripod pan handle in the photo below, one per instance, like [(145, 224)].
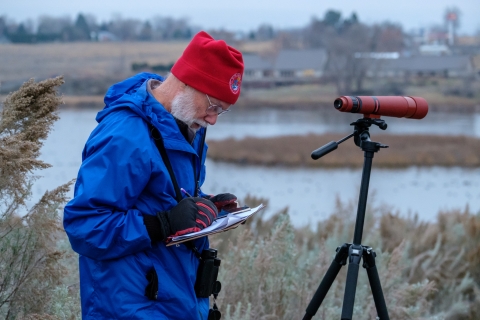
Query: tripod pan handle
[(320, 152)]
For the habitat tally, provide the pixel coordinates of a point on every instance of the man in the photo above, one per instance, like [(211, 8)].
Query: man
[(126, 203)]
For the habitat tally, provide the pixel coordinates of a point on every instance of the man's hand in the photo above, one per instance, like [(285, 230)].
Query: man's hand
[(189, 215), (223, 201)]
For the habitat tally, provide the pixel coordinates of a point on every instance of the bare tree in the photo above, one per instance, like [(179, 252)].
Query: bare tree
[(169, 28), (53, 25), (344, 66), (387, 37), (125, 29)]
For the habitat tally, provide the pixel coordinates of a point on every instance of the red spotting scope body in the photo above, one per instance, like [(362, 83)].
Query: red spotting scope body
[(390, 106)]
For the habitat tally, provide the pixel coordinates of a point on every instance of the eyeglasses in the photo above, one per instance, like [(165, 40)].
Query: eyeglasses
[(214, 109)]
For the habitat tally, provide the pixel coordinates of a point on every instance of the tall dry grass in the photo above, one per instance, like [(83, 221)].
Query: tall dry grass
[(32, 266), (403, 151), (428, 270)]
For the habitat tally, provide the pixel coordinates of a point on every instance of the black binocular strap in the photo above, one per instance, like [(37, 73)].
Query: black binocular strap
[(157, 137)]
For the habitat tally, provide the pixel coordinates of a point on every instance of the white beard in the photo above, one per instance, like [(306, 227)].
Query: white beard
[(184, 109)]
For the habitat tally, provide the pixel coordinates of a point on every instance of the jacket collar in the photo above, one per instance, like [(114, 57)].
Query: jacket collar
[(132, 93)]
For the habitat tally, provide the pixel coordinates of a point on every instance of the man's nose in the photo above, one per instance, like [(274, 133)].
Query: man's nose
[(211, 119)]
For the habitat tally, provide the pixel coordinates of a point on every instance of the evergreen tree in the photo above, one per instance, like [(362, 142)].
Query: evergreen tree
[(81, 29)]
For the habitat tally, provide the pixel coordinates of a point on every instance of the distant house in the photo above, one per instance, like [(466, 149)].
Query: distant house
[(300, 64), (256, 67), (104, 36), (434, 49), (288, 67), (424, 66)]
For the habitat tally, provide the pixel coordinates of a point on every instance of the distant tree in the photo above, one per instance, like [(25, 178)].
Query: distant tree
[(387, 37), (344, 67), (21, 29), (104, 27), (81, 29), (227, 36), (351, 21), (52, 28), (146, 34), (264, 32), (332, 18), (314, 34), (289, 39), (166, 28), (3, 25), (22, 34), (53, 25), (125, 29)]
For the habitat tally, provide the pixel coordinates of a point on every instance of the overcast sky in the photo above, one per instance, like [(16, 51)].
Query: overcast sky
[(246, 15)]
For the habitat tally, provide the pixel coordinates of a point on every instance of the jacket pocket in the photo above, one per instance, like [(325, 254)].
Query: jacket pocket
[(151, 291)]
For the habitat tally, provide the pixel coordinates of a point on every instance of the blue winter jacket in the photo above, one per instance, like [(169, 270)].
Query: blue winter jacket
[(122, 178)]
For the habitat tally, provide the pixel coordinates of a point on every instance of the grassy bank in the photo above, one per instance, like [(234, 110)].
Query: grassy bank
[(403, 151)]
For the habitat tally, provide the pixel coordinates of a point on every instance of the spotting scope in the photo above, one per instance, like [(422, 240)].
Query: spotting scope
[(390, 106)]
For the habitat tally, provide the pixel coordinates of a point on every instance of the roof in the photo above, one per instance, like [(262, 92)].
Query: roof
[(255, 62), (428, 63), (301, 59)]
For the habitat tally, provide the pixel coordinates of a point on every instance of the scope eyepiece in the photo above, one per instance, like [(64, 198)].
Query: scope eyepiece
[(390, 106)]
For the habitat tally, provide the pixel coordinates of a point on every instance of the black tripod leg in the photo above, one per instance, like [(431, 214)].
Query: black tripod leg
[(354, 256), (372, 272), (332, 272)]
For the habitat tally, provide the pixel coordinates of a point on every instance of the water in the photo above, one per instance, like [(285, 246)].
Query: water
[(269, 123), (309, 193)]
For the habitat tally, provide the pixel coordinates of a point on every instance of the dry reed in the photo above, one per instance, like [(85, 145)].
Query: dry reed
[(403, 151)]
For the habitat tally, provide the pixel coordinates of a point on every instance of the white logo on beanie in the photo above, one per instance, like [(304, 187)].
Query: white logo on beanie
[(235, 82)]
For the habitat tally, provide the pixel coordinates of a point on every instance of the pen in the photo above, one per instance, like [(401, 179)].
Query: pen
[(185, 192)]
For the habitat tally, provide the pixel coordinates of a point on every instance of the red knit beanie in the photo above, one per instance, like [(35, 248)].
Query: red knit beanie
[(212, 67)]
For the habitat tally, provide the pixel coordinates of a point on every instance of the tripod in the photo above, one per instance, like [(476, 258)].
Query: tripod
[(354, 251)]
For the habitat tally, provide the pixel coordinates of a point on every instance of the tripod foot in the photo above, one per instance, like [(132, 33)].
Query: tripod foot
[(332, 272), (377, 292)]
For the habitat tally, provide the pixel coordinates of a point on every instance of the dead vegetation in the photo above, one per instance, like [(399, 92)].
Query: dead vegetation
[(31, 268), (403, 151), (428, 270)]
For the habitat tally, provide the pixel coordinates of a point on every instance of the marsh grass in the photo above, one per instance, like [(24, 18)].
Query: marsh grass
[(403, 151), (428, 270)]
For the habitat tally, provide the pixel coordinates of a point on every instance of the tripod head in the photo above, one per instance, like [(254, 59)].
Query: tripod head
[(361, 137)]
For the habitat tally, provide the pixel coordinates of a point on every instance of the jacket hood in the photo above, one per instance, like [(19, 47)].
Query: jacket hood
[(132, 94)]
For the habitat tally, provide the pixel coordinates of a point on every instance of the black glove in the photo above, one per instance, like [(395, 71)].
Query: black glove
[(223, 201), (189, 215)]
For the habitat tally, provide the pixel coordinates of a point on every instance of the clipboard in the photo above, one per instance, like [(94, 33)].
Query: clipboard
[(229, 221)]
